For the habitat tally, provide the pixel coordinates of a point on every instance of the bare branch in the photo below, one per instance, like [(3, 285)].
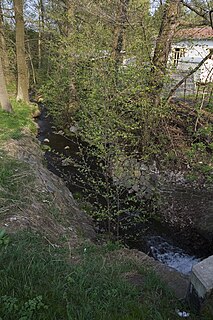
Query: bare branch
[(202, 13), (189, 74)]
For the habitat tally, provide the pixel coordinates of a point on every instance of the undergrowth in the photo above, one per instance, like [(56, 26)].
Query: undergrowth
[(190, 136)]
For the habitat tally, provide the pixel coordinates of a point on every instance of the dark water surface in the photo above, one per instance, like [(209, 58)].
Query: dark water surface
[(155, 239)]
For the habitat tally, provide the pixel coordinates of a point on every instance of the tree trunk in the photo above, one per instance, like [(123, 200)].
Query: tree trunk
[(119, 33), (22, 69), (4, 99), (3, 49), (40, 32), (163, 46), (70, 29)]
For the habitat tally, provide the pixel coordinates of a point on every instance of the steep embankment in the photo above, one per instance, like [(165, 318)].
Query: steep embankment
[(47, 206), (31, 196)]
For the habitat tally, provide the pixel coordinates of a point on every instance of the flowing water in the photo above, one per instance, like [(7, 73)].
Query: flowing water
[(166, 252), (162, 248)]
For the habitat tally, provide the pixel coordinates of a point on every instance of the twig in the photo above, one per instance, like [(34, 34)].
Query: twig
[(52, 244), (202, 13)]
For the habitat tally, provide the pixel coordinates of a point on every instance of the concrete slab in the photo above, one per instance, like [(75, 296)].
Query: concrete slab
[(202, 277)]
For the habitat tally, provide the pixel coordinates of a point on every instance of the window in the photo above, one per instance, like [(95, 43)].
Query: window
[(177, 54)]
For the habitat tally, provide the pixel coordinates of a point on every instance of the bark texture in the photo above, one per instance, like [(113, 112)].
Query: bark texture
[(22, 69), (3, 48), (119, 32), (4, 99)]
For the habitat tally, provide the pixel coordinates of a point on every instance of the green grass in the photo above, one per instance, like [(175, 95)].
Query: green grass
[(15, 176), (41, 282), (13, 124), (16, 183)]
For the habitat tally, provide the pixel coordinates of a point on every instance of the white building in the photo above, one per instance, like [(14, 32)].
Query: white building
[(188, 50)]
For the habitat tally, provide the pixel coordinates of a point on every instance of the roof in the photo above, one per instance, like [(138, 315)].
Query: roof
[(195, 33)]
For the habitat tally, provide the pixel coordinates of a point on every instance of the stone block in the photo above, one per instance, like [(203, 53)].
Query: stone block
[(201, 283), (202, 277)]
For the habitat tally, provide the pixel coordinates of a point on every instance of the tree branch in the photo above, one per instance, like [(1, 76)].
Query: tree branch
[(188, 75), (198, 12)]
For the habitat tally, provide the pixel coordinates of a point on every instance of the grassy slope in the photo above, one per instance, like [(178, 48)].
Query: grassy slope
[(15, 175), (12, 125), (39, 281)]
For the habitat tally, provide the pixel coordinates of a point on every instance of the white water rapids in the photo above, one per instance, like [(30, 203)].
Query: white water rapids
[(170, 255)]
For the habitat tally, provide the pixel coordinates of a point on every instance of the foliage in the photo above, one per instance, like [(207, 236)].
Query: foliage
[(111, 117), (112, 109), (31, 308), (4, 239), (199, 155)]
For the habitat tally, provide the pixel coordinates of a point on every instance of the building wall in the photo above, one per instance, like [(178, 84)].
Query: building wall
[(194, 52), (195, 48)]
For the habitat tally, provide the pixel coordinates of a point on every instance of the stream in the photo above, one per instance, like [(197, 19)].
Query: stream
[(171, 255), (156, 241)]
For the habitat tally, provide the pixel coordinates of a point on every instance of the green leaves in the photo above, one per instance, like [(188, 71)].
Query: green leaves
[(4, 238), (13, 309)]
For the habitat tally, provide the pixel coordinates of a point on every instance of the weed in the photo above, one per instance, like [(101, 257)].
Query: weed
[(4, 238), (13, 309)]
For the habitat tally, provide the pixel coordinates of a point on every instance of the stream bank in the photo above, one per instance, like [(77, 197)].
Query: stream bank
[(46, 205), (176, 241), (43, 218)]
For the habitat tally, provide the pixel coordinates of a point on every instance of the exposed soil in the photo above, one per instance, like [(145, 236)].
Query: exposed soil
[(52, 209)]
